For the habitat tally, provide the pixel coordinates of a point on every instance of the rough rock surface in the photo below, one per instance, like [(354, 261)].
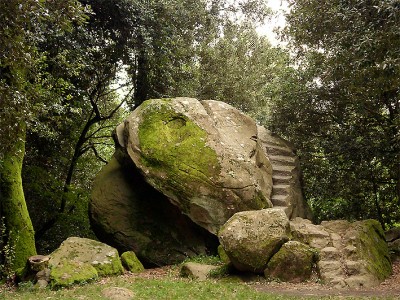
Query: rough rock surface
[(286, 190), (204, 156), (181, 169), (251, 238), (196, 270), (117, 293), (131, 262), (83, 253), (129, 214), (294, 262), (69, 272), (351, 254)]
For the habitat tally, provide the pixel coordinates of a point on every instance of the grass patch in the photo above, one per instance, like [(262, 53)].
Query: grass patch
[(205, 260), (166, 288), (147, 289)]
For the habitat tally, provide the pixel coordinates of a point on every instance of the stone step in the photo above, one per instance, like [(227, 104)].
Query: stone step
[(283, 160), (273, 149), (282, 170), (280, 200), (281, 189), (277, 179)]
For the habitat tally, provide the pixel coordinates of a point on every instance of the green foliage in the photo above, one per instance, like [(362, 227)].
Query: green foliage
[(341, 106), (205, 259), (7, 253)]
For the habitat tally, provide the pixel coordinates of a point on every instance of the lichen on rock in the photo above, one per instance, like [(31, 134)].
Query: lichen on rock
[(70, 272), (79, 260), (251, 238), (294, 262)]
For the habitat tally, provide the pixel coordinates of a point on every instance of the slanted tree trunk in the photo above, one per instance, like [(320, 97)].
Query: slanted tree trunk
[(18, 236)]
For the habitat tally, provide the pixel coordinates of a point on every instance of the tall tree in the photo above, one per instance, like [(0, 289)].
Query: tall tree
[(23, 25), (344, 112)]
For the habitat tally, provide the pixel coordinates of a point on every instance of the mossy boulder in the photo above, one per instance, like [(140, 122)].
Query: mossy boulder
[(251, 238), (351, 254), (80, 251), (204, 156), (69, 272), (131, 262), (294, 262), (129, 214)]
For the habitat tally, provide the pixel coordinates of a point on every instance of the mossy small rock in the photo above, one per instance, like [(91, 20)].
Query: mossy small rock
[(222, 254), (294, 262), (131, 262), (70, 272), (82, 253), (251, 238)]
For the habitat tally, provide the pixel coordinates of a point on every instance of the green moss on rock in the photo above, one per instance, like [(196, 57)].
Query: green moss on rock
[(373, 247), (109, 267), (131, 262), (294, 262), (72, 272), (222, 254), (175, 148)]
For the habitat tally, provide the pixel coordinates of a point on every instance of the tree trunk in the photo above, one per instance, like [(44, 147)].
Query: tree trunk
[(18, 234)]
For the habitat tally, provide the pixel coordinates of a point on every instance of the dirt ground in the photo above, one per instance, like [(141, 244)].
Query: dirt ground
[(389, 289)]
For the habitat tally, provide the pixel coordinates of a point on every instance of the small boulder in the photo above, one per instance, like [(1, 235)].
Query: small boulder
[(117, 293), (196, 270), (70, 272), (251, 238), (392, 234), (294, 262), (80, 251), (131, 262)]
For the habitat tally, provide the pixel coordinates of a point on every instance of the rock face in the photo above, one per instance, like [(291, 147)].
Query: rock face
[(351, 254), (251, 238), (129, 214), (294, 262), (205, 157), (181, 169), (79, 259)]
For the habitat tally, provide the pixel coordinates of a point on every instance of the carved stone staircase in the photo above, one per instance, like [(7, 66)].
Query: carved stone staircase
[(286, 189)]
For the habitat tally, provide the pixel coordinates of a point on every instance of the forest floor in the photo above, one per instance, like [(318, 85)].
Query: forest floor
[(165, 283), (388, 289)]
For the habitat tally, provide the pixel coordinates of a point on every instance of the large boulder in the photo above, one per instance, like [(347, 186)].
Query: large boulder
[(351, 254), (251, 238), (204, 156), (181, 169), (129, 214)]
